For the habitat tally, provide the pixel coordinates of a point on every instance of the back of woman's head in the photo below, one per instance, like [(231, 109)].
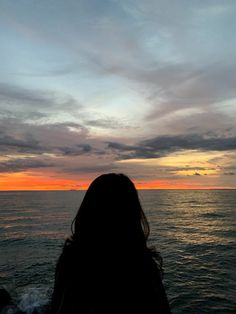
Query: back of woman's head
[(106, 264), (111, 214)]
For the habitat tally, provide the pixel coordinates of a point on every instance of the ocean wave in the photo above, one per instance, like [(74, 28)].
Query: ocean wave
[(29, 300)]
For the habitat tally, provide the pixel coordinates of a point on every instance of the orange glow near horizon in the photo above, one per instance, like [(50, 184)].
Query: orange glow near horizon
[(30, 182), (22, 181), (169, 185)]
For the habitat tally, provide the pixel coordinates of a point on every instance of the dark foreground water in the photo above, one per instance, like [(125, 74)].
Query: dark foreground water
[(194, 230)]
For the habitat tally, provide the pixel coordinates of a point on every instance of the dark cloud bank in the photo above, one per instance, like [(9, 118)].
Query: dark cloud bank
[(164, 145), (48, 142)]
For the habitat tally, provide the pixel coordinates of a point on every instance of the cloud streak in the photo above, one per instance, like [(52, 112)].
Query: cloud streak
[(165, 145)]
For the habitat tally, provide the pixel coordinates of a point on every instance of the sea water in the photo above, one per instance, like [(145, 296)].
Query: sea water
[(195, 231)]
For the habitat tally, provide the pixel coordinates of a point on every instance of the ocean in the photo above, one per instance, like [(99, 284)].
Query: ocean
[(195, 231)]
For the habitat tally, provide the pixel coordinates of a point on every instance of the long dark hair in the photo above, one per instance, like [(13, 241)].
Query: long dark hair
[(109, 236), (111, 217), (111, 212)]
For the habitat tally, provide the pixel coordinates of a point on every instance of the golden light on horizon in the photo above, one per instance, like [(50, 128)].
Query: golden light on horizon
[(183, 163)]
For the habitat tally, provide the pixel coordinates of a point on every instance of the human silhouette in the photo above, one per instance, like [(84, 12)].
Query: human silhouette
[(106, 266)]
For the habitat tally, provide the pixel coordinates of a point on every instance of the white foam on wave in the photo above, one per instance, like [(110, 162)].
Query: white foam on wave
[(33, 299)]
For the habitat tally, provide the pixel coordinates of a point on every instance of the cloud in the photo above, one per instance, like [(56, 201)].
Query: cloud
[(12, 94), (151, 45), (125, 151), (67, 147), (172, 87), (18, 165), (192, 141), (28, 144), (210, 122), (62, 139), (189, 168), (198, 88), (164, 145), (36, 105), (76, 150), (95, 169), (106, 123)]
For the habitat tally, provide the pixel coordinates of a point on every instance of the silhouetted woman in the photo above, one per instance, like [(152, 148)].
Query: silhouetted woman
[(106, 267)]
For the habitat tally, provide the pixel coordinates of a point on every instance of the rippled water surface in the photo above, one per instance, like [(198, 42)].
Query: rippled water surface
[(194, 230)]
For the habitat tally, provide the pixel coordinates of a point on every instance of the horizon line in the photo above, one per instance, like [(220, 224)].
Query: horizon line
[(138, 189)]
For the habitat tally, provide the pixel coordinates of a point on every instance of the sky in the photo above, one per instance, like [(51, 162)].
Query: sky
[(145, 88)]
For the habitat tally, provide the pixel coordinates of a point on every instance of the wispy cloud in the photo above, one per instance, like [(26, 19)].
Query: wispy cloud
[(36, 104)]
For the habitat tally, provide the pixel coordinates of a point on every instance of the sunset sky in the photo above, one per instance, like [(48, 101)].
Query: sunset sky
[(146, 88)]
